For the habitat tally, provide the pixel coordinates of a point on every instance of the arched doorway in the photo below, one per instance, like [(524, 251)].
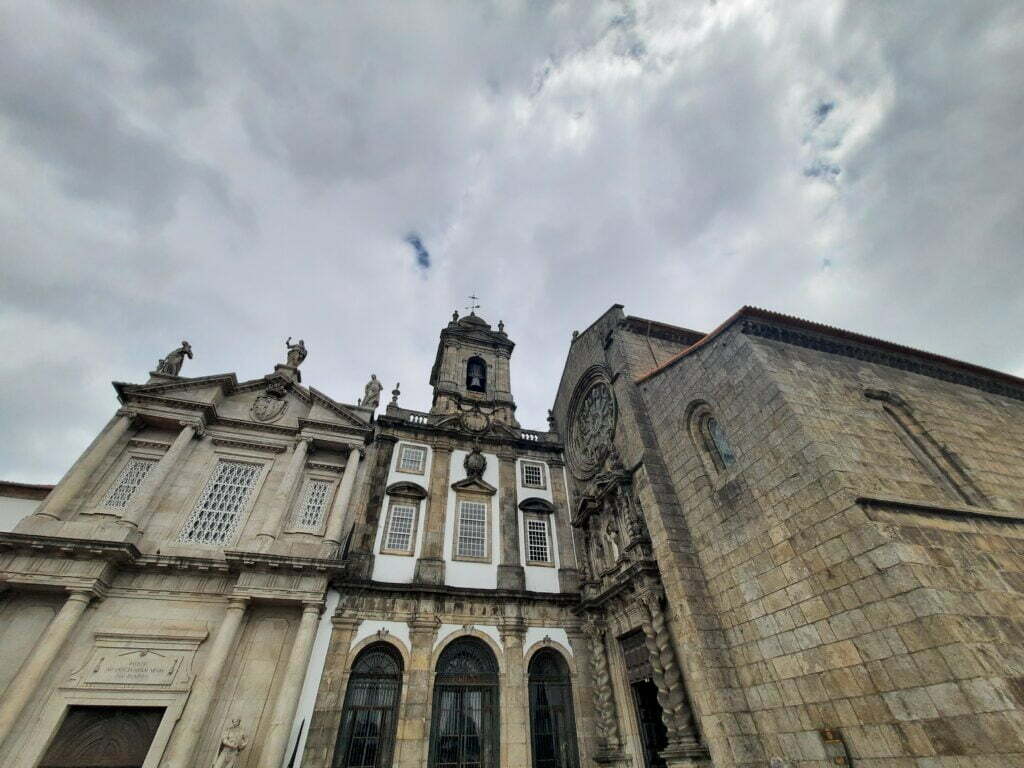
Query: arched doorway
[(464, 727), (552, 724), (370, 713)]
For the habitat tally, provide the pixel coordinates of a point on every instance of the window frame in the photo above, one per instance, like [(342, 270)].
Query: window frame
[(294, 520), (104, 505), (244, 514), (403, 449), (544, 520), (541, 466), (701, 416), (472, 498), (400, 501)]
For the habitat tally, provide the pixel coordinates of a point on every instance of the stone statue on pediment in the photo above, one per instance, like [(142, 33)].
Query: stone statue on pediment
[(232, 743), (171, 365), (296, 352), (371, 392)]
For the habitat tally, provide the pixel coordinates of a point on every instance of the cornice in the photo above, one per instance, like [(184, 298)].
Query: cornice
[(254, 445), (68, 547)]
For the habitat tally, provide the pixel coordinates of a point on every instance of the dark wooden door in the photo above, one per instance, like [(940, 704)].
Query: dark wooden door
[(103, 737), (652, 727)]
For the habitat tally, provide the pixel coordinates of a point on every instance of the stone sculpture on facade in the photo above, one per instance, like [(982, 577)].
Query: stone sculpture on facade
[(231, 745), (371, 393), (171, 365), (296, 352)]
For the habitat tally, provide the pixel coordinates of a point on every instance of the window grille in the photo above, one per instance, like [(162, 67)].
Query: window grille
[(128, 482), (412, 459), (314, 503), (465, 728), (472, 536), (400, 528), (217, 514), (370, 713), (533, 474), (537, 550), (552, 722)]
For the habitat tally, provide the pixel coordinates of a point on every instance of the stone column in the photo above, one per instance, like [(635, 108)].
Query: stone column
[(360, 556), (189, 728), (82, 470), (282, 501), (583, 694), (609, 741), (515, 741), (276, 741), (326, 720), (338, 515), (430, 565), (568, 571), (510, 566), (25, 685), (414, 721), (133, 514), (683, 742)]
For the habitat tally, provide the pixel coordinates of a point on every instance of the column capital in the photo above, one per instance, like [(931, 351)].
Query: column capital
[(312, 606), (81, 594), (128, 413), (386, 438), (346, 622), (198, 426), (236, 602)]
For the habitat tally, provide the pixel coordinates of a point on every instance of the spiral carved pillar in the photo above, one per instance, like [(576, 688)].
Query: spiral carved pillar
[(683, 739), (604, 697)]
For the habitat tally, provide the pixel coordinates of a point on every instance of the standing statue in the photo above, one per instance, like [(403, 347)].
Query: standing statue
[(231, 744), (371, 393), (296, 352), (171, 364)]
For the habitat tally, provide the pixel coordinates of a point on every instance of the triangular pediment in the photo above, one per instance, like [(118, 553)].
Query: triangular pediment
[(347, 415), (476, 485), (198, 389)]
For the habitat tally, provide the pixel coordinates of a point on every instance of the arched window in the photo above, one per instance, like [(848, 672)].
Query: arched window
[(710, 438), (476, 375), (719, 442), (552, 725), (464, 728), (370, 713)]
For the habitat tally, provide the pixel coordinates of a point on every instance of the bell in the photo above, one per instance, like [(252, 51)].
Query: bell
[(474, 381)]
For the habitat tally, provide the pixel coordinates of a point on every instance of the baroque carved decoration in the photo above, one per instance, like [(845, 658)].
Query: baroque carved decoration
[(668, 676), (591, 424), (604, 701), (270, 405)]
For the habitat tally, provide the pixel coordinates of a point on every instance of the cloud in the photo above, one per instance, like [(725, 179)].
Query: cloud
[(204, 171), (422, 254)]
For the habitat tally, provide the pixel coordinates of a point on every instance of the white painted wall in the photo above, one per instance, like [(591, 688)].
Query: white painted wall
[(536, 634), (400, 569), (457, 572), (12, 510), (538, 578), (311, 683), (397, 629), (445, 630)]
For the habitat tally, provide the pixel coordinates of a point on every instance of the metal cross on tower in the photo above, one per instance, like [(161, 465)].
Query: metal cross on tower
[(473, 303)]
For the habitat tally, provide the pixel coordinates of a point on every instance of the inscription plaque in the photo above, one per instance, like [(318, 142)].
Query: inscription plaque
[(134, 667)]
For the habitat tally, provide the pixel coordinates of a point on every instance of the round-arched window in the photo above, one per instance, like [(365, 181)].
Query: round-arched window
[(464, 728), (552, 723), (370, 714)]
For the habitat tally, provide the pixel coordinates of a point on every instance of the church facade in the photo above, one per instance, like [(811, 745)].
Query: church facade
[(775, 544)]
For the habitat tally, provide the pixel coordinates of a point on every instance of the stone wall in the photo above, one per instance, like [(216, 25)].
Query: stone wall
[(859, 590)]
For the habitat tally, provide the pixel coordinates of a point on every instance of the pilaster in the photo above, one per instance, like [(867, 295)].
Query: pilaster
[(430, 566), (511, 575), (414, 720)]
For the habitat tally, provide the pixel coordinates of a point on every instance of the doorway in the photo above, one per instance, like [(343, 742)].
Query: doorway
[(653, 734), (103, 737)]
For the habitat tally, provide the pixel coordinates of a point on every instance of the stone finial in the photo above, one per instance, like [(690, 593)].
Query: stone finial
[(455, 316), (395, 393), (575, 335), (501, 326), (171, 365)]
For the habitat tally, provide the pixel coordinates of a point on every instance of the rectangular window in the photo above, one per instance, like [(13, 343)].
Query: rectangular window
[(128, 482), (471, 533), (400, 531), (218, 511), (313, 506), (533, 474), (538, 549), (412, 459)]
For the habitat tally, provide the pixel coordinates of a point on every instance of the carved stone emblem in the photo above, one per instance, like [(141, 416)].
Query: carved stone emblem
[(474, 421), (475, 464), (268, 407), (591, 429)]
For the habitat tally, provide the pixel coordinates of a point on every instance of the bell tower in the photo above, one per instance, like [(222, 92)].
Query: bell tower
[(471, 372)]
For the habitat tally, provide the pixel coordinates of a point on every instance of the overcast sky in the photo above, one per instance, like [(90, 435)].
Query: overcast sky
[(348, 173)]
